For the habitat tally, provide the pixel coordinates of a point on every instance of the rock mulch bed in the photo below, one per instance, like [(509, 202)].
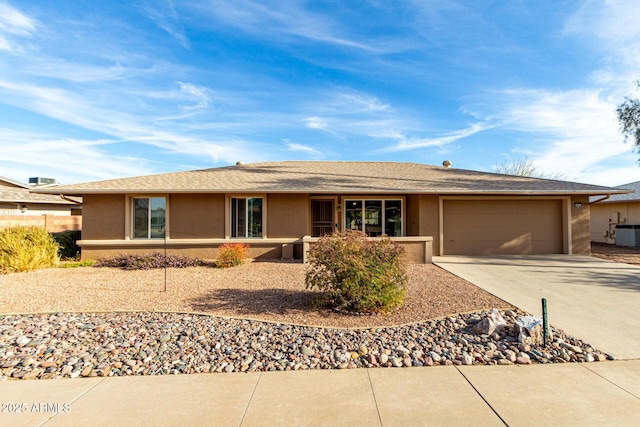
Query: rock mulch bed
[(62, 345)]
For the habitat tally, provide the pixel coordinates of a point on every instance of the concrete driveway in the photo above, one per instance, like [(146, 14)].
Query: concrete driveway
[(595, 300)]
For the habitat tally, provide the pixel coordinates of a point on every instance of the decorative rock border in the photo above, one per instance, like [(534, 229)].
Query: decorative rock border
[(42, 346)]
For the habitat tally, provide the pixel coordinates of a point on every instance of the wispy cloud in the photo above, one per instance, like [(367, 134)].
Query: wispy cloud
[(315, 123), (405, 143), (610, 27), (69, 160), (571, 128), (298, 24), (163, 14), (12, 21), (611, 21), (353, 103), (305, 149), (69, 71), (195, 92), (13, 26)]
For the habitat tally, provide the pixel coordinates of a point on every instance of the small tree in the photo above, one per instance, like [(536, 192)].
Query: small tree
[(629, 119), (357, 273), (525, 167)]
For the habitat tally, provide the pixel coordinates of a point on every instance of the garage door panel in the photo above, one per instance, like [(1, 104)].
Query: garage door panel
[(502, 227)]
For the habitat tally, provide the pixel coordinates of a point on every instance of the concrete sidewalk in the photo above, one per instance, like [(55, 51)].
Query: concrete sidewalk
[(590, 298), (605, 393)]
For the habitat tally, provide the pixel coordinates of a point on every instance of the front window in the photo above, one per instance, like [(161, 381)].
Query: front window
[(246, 217), (374, 217), (149, 215)]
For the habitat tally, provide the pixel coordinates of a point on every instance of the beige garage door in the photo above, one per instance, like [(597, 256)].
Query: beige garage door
[(502, 227)]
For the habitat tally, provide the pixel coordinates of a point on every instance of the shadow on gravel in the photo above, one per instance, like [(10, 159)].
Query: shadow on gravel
[(248, 302)]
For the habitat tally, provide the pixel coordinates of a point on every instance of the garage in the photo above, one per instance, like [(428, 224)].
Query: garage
[(502, 227)]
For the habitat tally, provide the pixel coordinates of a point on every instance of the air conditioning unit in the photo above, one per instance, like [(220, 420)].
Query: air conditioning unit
[(41, 181), (628, 235)]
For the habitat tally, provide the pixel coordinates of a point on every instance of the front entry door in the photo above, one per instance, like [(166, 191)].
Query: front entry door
[(322, 217)]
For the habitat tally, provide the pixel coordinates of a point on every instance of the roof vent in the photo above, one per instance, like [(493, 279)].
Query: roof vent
[(446, 164), (239, 163), (41, 181)]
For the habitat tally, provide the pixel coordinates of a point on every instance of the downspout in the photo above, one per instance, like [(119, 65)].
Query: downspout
[(63, 197), (600, 200), (609, 234)]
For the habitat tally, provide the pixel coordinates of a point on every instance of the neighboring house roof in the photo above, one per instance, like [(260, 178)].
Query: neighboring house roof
[(323, 177), (15, 192), (629, 197)]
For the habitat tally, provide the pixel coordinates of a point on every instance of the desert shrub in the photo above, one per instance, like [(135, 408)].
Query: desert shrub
[(357, 273), (67, 246), (148, 261), (26, 248), (231, 254)]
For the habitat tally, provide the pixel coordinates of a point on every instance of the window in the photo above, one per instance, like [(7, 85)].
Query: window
[(149, 215), (246, 217), (374, 217)]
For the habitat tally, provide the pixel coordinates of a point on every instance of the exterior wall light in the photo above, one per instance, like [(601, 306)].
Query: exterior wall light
[(577, 205)]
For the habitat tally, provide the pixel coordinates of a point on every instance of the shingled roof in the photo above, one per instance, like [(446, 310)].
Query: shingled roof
[(15, 192), (333, 177), (629, 197)]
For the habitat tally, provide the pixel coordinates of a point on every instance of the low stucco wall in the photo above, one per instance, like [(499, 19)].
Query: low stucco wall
[(52, 223), (418, 249), (259, 250)]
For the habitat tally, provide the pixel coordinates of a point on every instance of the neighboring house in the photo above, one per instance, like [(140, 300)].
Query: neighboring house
[(19, 206), (273, 206), (607, 212)]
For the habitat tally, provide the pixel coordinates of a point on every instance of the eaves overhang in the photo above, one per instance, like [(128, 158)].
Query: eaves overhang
[(79, 193)]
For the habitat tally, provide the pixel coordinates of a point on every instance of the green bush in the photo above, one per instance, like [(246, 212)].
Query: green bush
[(231, 254), (76, 264), (26, 248), (357, 273), (66, 240)]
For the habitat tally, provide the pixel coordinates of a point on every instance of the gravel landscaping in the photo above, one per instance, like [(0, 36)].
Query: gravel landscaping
[(272, 291), (104, 321), (627, 255)]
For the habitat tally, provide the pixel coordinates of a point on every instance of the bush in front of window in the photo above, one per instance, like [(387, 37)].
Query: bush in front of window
[(148, 261), (232, 254), (357, 273), (26, 248)]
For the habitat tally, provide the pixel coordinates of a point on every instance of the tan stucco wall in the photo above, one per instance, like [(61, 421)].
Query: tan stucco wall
[(258, 250), (605, 216), (195, 216), (412, 215), (103, 217), (287, 215), (422, 218), (580, 233)]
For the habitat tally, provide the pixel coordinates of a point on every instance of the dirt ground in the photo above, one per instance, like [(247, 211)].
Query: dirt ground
[(615, 253)]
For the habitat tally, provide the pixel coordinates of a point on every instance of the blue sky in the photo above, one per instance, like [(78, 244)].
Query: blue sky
[(98, 90)]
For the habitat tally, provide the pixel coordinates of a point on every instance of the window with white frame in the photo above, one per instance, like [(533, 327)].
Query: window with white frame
[(149, 217), (246, 217), (374, 216)]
